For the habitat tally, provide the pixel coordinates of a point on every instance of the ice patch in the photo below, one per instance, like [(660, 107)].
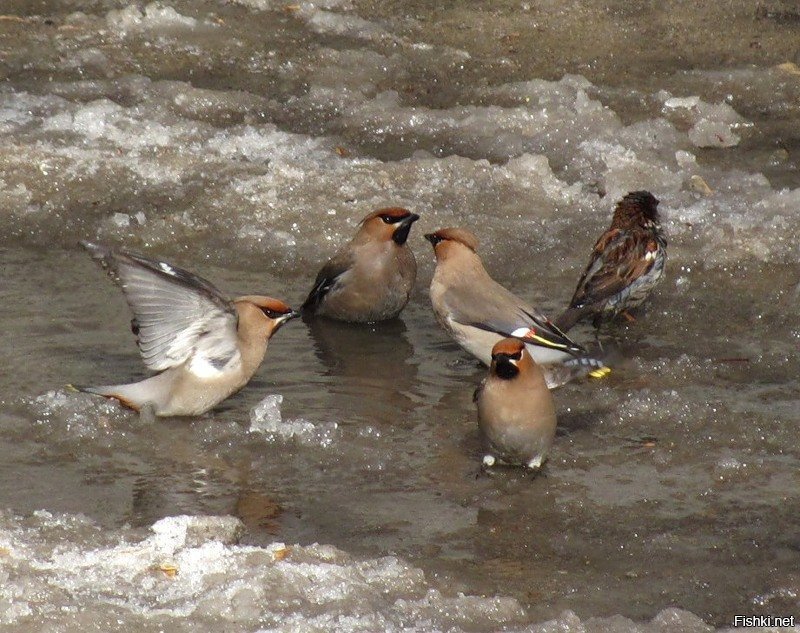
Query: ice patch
[(155, 16), (625, 171), (268, 144), (713, 125), (191, 569), (106, 120), (331, 23), (190, 574), (78, 414), (277, 5), (266, 414), (265, 418)]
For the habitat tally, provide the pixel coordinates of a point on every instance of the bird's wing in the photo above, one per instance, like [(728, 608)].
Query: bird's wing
[(178, 316), (619, 258), (327, 279), (489, 306)]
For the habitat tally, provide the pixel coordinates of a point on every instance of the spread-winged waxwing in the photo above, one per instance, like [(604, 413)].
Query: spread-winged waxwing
[(626, 263), (516, 413), (204, 346), (477, 312), (371, 277)]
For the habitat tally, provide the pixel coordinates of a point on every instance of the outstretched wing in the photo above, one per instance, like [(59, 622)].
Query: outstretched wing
[(493, 308), (178, 316), (326, 280), (619, 258)]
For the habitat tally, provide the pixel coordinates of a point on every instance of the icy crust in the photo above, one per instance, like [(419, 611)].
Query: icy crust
[(712, 125), (155, 16), (273, 5), (266, 419), (191, 574), (167, 162), (182, 165), (78, 415)]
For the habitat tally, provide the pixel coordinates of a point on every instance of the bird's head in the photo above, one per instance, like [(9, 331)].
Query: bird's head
[(391, 223), (276, 311), (444, 240), (637, 208), (509, 357)]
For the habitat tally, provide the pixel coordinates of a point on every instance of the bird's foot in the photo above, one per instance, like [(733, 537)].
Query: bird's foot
[(536, 463)]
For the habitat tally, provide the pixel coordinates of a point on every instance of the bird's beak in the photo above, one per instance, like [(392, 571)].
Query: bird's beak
[(431, 237), (292, 314), (400, 234), (504, 366), (505, 358)]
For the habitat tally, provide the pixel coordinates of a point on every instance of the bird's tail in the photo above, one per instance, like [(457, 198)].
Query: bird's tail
[(570, 317), (593, 367), (111, 391), (558, 374)]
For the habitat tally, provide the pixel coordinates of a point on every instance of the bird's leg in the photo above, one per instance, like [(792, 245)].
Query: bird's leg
[(147, 414)]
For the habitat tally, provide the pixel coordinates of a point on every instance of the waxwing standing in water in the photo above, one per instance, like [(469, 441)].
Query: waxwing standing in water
[(371, 277), (516, 413), (626, 263), (205, 346), (478, 312)]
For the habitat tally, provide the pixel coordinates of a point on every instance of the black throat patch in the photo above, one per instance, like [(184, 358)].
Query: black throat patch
[(505, 369)]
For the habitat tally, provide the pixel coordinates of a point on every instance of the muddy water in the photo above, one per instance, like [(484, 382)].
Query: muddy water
[(244, 141)]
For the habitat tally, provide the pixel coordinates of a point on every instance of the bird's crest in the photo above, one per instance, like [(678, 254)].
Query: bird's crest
[(508, 347), (462, 236)]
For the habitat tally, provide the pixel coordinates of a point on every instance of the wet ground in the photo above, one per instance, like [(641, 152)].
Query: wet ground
[(244, 140)]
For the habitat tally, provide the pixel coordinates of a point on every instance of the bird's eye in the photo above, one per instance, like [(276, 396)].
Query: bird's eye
[(434, 239), (388, 219), (272, 314), (502, 356)]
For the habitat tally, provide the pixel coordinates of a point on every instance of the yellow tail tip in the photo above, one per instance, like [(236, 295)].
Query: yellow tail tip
[(71, 388), (600, 372)]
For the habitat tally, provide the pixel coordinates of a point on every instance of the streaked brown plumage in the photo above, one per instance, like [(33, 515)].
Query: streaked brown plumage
[(626, 263)]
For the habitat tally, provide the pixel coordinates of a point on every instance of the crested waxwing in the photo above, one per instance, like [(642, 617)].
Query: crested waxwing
[(371, 277), (204, 346), (626, 263), (516, 413), (477, 312)]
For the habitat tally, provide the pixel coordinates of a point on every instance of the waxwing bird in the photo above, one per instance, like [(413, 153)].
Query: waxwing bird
[(478, 312), (626, 263), (204, 346), (371, 277), (516, 413)]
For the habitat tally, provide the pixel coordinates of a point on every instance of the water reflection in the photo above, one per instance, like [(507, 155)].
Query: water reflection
[(369, 368)]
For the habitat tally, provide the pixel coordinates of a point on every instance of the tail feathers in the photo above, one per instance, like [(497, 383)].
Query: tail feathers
[(112, 391), (558, 374), (571, 316), (593, 367)]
